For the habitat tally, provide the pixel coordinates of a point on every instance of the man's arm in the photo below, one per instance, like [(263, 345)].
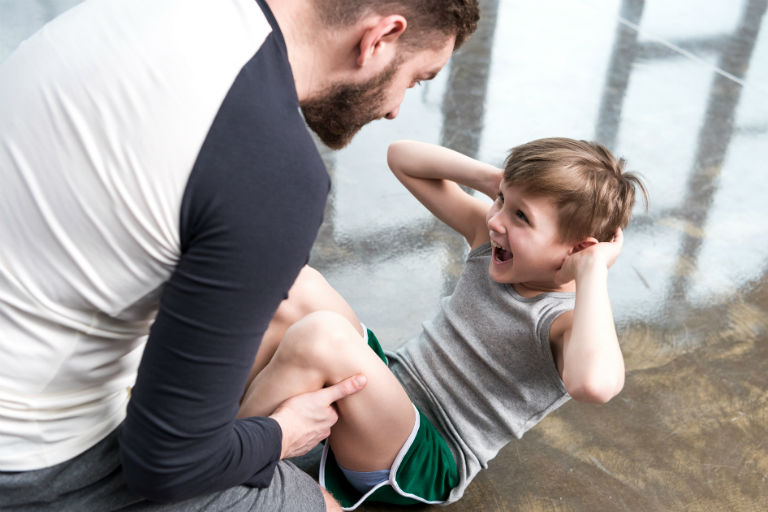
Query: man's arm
[(250, 213), (306, 419)]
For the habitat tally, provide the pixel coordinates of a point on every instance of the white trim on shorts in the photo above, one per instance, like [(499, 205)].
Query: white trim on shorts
[(392, 481)]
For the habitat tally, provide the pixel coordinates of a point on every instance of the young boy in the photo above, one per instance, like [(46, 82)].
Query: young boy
[(528, 325)]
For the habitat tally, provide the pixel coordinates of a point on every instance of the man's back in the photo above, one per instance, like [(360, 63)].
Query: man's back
[(101, 131)]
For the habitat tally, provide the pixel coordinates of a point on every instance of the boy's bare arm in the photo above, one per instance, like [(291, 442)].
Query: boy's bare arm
[(433, 175), (593, 366), (430, 161)]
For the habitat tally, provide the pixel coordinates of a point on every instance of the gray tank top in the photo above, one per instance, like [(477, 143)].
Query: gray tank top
[(482, 370)]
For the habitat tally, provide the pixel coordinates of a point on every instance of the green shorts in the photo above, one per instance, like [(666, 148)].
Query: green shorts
[(424, 470)]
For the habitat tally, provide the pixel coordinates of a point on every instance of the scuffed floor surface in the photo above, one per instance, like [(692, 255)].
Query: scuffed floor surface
[(680, 89)]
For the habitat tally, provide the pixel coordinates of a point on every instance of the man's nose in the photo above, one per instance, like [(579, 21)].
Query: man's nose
[(393, 113)]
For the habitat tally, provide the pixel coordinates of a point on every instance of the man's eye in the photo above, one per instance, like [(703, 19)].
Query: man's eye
[(415, 83)]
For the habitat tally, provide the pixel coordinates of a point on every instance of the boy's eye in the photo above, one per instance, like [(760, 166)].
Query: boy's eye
[(500, 197), (520, 215)]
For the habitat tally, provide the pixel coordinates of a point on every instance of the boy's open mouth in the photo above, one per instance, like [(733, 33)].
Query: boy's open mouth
[(500, 255)]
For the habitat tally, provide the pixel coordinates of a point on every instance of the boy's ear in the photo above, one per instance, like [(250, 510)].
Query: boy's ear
[(379, 38), (583, 244)]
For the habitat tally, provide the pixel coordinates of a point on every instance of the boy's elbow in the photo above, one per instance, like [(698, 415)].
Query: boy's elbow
[(392, 152), (596, 390), (398, 153)]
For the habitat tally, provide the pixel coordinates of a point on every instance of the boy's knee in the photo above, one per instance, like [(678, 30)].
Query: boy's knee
[(310, 277), (317, 336), (309, 285), (300, 297)]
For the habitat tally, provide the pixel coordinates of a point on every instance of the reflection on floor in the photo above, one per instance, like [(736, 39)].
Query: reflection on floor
[(681, 90)]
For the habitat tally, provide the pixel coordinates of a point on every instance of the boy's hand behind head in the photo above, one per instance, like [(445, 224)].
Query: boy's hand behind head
[(613, 248), (598, 256)]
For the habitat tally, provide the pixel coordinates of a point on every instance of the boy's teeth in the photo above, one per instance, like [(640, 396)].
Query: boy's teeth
[(501, 253)]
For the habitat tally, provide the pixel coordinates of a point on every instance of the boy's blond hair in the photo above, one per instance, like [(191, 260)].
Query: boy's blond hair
[(593, 194)]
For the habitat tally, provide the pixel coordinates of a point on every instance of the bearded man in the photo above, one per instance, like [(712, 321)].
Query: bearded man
[(160, 193)]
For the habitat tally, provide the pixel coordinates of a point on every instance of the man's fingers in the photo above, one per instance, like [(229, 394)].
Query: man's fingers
[(344, 388)]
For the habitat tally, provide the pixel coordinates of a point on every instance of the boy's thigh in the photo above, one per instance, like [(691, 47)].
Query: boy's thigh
[(94, 481), (382, 406)]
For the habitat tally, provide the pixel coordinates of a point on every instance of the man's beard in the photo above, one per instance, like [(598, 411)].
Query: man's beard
[(343, 109)]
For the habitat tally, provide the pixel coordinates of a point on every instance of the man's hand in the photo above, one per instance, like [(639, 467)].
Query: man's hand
[(307, 419)]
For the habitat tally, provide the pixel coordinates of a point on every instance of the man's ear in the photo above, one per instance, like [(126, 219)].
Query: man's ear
[(379, 39), (583, 244)]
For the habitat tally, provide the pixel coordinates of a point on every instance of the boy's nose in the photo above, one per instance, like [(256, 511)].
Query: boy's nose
[(494, 223)]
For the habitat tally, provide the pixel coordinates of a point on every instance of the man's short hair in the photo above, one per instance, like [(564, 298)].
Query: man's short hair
[(428, 20), (593, 194)]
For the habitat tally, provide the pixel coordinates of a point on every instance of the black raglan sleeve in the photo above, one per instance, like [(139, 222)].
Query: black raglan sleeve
[(251, 211)]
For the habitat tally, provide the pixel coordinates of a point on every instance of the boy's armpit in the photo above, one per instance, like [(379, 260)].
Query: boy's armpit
[(561, 327)]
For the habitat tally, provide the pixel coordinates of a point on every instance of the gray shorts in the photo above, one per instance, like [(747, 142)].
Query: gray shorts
[(93, 481)]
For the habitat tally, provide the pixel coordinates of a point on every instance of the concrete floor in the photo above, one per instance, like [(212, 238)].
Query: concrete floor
[(680, 89)]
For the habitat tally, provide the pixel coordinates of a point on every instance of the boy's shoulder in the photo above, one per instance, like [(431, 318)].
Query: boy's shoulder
[(481, 251)]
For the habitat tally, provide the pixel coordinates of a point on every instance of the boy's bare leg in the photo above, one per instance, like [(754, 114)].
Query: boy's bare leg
[(331, 505), (310, 292), (322, 349)]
